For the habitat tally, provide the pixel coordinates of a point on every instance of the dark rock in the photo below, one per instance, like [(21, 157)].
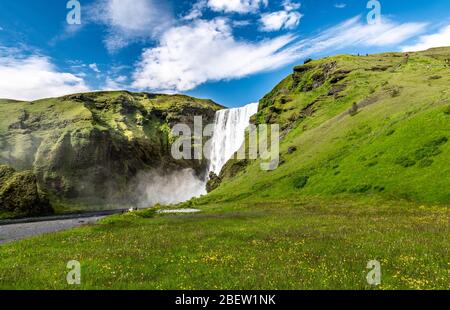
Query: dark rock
[(303, 68), (275, 110), (380, 68), (213, 182), (354, 109), (328, 67), (20, 124), (435, 77), (337, 78), (307, 88), (292, 149), (339, 75), (318, 80), (336, 89)]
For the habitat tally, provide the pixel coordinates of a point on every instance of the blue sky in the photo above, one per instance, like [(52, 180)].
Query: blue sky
[(232, 51)]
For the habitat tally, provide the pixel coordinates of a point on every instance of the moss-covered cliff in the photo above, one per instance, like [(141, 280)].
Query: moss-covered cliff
[(20, 194), (88, 148)]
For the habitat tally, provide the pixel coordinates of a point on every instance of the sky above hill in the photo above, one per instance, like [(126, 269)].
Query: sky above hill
[(232, 51)]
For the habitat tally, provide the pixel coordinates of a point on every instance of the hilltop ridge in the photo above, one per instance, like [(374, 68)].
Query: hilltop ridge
[(375, 125)]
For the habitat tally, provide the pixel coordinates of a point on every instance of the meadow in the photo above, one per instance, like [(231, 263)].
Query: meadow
[(311, 244)]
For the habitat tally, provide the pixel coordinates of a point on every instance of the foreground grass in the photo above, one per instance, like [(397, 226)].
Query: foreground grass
[(272, 245)]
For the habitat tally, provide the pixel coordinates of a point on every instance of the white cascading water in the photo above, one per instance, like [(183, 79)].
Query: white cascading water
[(228, 137), (229, 134)]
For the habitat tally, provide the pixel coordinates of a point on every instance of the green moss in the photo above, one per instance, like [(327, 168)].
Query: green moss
[(447, 110), (5, 173), (405, 161), (364, 188), (425, 163), (300, 182), (20, 195)]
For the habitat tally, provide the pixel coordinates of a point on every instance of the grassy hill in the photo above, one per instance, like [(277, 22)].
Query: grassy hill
[(374, 126), (87, 149), (364, 175)]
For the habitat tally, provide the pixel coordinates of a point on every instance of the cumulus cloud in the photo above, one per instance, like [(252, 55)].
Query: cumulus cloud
[(285, 19), (35, 77), (280, 20), (190, 55), (130, 20), (439, 39), (237, 6)]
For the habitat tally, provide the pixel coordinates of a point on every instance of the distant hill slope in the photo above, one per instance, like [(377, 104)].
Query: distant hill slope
[(87, 148), (372, 126)]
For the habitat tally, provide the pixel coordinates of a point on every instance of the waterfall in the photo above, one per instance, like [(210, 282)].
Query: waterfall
[(229, 134), (180, 186)]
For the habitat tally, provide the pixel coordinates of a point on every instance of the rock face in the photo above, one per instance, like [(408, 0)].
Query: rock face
[(213, 182), (20, 194), (88, 148)]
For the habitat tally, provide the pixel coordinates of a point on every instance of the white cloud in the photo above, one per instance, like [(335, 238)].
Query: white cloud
[(206, 51), (196, 10), (237, 6), (290, 5), (439, 39), (280, 20), (226, 6), (121, 78), (285, 19), (353, 33), (131, 20), (117, 83), (94, 68), (35, 77), (203, 51), (241, 23)]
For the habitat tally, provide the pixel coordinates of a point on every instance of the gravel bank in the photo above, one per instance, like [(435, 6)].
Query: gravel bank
[(15, 232)]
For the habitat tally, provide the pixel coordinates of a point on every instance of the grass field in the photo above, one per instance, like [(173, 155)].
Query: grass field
[(274, 245)]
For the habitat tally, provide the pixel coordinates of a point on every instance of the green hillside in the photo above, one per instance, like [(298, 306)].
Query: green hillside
[(87, 149), (375, 126), (364, 175)]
